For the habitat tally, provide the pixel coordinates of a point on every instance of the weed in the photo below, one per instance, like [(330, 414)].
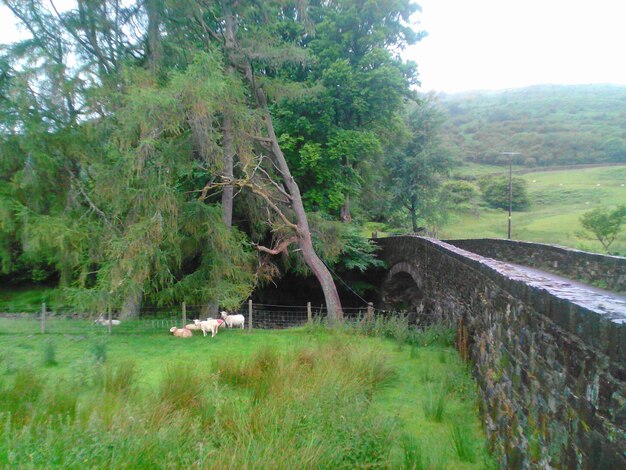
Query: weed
[(49, 353), (462, 443), (116, 379), (182, 387), (443, 357), (413, 459), (434, 405), (99, 350)]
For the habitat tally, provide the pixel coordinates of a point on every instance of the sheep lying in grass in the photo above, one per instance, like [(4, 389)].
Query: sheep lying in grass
[(208, 325), (233, 320), (193, 326), (181, 332), (105, 322)]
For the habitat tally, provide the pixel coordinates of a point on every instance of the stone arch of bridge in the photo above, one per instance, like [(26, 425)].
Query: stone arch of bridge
[(402, 290)]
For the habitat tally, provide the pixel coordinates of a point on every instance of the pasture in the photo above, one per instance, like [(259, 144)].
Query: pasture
[(375, 396), (557, 200)]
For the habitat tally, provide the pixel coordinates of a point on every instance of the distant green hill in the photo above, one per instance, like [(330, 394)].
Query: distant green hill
[(549, 125)]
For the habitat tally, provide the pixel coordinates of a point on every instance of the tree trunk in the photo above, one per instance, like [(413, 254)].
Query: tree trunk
[(345, 210), (239, 61), (227, 130), (313, 261), (229, 154), (155, 50), (132, 305), (413, 211)]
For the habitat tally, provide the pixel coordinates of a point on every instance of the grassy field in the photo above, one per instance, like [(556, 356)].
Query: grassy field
[(26, 298), (385, 397), (558, 199)]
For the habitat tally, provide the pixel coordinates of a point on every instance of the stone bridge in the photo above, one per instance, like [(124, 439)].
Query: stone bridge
[(549, 353)]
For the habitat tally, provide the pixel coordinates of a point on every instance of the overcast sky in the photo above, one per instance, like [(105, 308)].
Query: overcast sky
[(496, 44)]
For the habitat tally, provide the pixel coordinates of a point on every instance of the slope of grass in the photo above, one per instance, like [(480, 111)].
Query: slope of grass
[(558, 199), (549, 125), (26, 298), (302, 398)]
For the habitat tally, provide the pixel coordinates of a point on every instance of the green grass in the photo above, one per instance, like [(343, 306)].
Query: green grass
[(558, 199), (300, 398), (27, 298)]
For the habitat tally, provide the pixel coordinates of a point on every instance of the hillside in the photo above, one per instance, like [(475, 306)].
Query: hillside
[(557, 200), (548, 125)]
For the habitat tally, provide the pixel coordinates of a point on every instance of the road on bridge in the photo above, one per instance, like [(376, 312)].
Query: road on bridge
[(585, 295)]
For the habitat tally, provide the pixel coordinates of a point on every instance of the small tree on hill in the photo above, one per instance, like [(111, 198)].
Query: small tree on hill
[(604, 224), (496, 192)]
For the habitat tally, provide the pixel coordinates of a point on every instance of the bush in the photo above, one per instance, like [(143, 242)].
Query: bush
[(495, 191), (604, 224), (460, 192)]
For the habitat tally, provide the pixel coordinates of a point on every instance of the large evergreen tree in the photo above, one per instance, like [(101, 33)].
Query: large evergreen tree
[(129, 128)]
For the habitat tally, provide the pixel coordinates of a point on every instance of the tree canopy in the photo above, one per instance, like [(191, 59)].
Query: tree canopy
[(159, 151)]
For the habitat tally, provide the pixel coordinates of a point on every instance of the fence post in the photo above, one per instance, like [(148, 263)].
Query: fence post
[(43, 318), (109, 318), (250, 316), (184, 314), (309, 312), (370, 311)]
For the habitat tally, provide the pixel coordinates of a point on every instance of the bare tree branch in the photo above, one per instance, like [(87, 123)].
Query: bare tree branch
[(279, 248)]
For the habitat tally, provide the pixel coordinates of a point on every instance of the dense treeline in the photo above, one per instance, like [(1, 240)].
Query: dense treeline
[(547, 125), (158, 151)]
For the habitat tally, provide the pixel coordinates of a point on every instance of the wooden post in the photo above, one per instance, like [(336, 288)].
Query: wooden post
[(370, 311), (43, 318), (109, 318), (250, 316), (309, 312), (184, 314)]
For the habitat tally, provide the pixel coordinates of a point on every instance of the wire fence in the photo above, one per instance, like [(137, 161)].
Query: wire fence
[(150, 320)]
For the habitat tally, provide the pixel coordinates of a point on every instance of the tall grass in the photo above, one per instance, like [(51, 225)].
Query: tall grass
[(49, 353), (462, 443), (435, 405), (285, 410), (305, 398)]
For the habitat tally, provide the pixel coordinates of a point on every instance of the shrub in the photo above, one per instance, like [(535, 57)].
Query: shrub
[(460, 192), (604, 224), (495, 191), (49, 353)]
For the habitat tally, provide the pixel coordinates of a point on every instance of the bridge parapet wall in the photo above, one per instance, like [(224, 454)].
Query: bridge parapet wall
[(604, 271), (551, 371)]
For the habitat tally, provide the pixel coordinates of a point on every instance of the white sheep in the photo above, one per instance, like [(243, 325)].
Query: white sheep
[(105, 322), (181, 332), (208, 325), (221, 323), (193, 326), (233, 320)]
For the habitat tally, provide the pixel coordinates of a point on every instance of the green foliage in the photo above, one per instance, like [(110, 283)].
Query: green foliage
[(539, 122), (435, 405), (495, 191), (558, 199), (461, 441), (604, 224), (99, 350), (49, 353), (335, 139), (460, 193), (292, 398), (416, 167)]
